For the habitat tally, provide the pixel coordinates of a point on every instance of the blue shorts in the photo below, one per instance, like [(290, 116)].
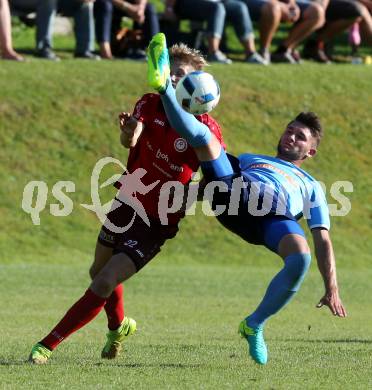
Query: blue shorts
[(267, 230), (275, 227)]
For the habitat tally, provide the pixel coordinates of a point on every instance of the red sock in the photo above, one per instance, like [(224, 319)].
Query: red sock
[(114, 308), (82, 312)]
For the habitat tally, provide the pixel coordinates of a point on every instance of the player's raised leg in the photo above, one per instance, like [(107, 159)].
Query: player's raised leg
[(158, 63), (212, 156)]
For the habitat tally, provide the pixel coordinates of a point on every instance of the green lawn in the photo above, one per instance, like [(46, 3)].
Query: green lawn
[(187, 339), (58, 120)]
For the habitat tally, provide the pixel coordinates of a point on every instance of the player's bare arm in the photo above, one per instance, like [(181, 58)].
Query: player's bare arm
[(327, 268), (130, 128), (209, 152)]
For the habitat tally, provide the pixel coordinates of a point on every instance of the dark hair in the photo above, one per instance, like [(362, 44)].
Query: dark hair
[(312, 121)]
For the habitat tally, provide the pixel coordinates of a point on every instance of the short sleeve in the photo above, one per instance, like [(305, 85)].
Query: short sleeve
[(318, 212), (143, 108)]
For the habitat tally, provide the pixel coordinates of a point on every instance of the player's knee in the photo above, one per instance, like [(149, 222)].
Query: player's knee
[(103, 285), (95, 268), (294, 242), (297, 265)]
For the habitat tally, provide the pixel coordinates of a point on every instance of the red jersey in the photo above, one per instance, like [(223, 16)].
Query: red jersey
[(162, 152)]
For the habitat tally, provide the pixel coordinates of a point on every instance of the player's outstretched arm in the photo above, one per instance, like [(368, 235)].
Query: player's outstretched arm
[(130, 128), (327, 268)]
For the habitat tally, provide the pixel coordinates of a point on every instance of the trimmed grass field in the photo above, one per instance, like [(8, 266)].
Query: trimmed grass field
[(187, 339), (58, 120)]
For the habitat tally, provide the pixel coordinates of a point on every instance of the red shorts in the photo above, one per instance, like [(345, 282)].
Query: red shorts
[(140, 242)]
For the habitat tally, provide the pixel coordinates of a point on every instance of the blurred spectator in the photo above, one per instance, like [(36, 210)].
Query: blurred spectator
[(366, 22), (6, 47), (268, 14), (354, 38), (145, 19), (215, 13), (340, 15), (80, 10), (103, 10), (306, 15), (108, 16)]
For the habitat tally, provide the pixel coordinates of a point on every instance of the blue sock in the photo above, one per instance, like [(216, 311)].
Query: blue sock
[(187, 126), (218, 168), (282, 288)]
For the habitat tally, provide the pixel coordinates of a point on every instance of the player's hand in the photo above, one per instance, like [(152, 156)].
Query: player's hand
[(127, 123), (333, 301)]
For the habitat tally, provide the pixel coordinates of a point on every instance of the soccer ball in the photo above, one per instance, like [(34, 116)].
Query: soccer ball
[(198, 92)]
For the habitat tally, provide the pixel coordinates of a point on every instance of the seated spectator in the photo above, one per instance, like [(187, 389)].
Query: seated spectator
[(268, 15), (340, 15), (80, 10), (306, 15), (309, 16), (108, 17), (6, 47), (216, 13), (102, 20), (145, 18), (366, 23)]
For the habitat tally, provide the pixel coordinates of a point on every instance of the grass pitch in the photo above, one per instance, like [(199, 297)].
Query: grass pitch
[(187, 339), (57, 120)]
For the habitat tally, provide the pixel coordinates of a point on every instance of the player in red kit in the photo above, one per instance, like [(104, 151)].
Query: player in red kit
[(133, 232)]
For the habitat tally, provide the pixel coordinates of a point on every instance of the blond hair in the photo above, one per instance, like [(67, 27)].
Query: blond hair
[(183, 53)]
